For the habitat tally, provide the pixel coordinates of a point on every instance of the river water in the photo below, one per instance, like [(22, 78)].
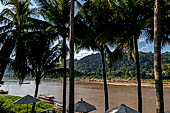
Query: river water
[(93, 93)]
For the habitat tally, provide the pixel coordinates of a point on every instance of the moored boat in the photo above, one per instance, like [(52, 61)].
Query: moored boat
[(47, 98), (50, 99), (3, 92), (25, 83), (58, 106)]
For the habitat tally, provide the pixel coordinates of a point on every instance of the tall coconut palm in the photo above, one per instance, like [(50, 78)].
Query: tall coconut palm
[(160, 38), (96, 24), (105, 79), (134, 17), (47, 62), (91, 43), (38, 62), (57, 13), (19, 24), (13, 19), (157, 57), (29, 58), (71, 63)]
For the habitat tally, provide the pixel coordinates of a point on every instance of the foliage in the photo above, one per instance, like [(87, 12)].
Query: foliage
[(91, 65), (7, 106)]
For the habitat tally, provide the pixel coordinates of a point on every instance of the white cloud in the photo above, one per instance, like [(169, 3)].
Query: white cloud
[(143, 39), (146, 47), (166, 48), (84, 53)]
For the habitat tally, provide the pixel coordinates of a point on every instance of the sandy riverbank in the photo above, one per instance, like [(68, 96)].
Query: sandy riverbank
[(115, 81), (125, 82)]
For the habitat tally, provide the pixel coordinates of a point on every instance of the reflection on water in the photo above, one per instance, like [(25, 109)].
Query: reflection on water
[(92, 93)]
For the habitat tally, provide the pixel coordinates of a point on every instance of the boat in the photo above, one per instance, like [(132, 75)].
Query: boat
[(25, 83), (22, 82), (50, 99), (47, 98), (58, 106), (3, 92)]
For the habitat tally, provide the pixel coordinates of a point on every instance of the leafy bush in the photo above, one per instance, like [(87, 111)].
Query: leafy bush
[(7, 106)]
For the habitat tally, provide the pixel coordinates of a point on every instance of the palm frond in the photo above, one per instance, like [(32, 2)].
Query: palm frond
[(112, 57)]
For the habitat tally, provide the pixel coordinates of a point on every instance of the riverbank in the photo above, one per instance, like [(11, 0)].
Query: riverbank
[(117, 81), (113, 81), (125, 82)]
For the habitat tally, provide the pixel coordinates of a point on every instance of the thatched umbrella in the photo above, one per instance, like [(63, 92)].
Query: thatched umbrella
[(84, 107), (26, 100), (121, 109)]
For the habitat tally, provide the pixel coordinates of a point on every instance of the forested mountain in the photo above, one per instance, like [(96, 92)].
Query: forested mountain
[(91, 65)]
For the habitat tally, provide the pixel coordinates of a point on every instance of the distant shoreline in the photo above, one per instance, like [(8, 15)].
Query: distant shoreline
[(120, 82), (116, 81), (126, 82)]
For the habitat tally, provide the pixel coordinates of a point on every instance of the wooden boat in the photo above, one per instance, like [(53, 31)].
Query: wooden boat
[(50, 99), (47, 98), (3, 92), (21, 82), (58, 106), (25, 83)]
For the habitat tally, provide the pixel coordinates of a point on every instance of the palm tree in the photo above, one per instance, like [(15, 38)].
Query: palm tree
[(105, 79), (97, 24), (134, 17), (29, 34), (13, 20), (160, 38), (157, 57), (71, 65), (31, 59), (57, 13)]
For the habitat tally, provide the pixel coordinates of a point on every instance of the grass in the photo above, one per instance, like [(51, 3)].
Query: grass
[(7, 106)]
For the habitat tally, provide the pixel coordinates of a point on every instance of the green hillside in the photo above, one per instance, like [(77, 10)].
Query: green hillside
[(91, 65)]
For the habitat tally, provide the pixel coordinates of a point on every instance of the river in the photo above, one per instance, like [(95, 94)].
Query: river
[(93, 93)]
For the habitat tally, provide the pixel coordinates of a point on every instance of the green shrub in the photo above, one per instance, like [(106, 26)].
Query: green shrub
[(7, 106)]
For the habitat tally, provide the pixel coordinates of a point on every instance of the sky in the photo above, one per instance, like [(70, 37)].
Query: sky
[(143, 45)]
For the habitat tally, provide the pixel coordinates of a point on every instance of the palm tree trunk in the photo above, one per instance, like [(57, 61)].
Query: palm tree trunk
[(71, 36), (105, 80), (138, 75), (157, 57), (36, 93), (64, 76)]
